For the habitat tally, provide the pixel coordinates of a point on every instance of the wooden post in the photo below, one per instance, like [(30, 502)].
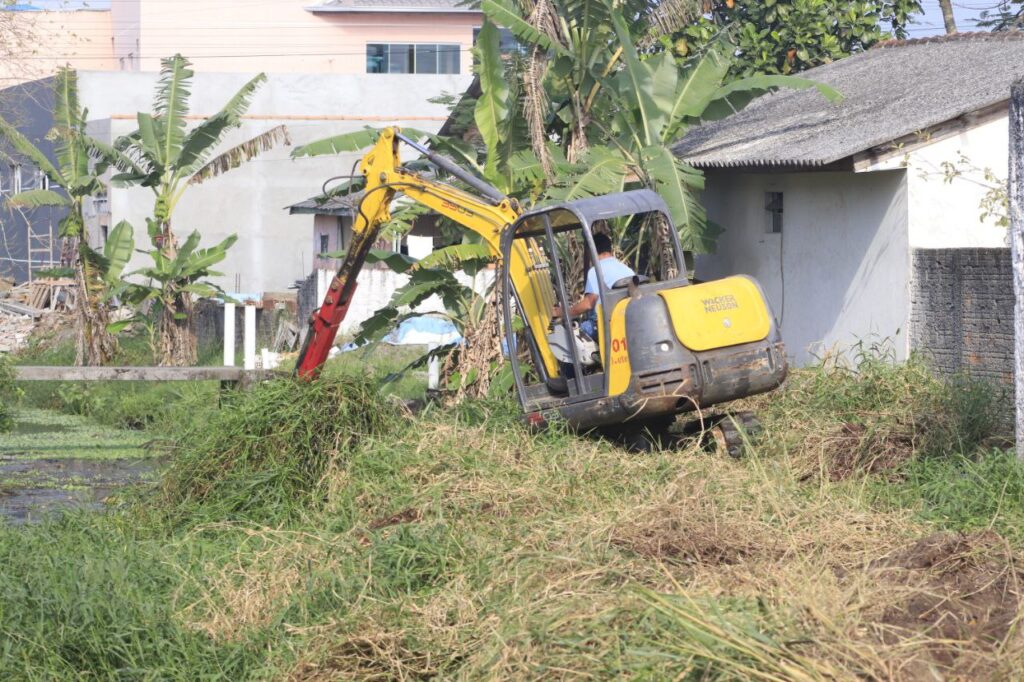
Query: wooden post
[(1017, 250)]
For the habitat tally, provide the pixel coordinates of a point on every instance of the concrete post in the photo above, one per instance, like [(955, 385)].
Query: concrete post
[(249, 342), (1017, 249), (433, 370), (229, 334)]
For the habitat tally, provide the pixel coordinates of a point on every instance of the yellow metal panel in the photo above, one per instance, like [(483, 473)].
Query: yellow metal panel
[(619, 371), (726, 312)]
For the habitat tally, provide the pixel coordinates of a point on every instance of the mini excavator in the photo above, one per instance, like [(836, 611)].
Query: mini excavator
[(665, 345)]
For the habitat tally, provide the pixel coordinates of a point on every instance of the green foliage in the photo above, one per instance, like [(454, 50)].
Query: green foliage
[(9, 395), (265, 454), (787, 36), (1006, 15), (80, 597), (73, 172), (964, 492)]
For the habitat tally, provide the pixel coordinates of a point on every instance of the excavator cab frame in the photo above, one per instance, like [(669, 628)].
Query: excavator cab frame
[(582, 379)]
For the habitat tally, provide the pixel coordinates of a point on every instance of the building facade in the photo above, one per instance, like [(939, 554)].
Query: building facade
[(383, 37), (835, 207)]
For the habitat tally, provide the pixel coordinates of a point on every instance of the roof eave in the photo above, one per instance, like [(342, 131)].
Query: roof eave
[(317, 9), (299, 209), (763, 165)]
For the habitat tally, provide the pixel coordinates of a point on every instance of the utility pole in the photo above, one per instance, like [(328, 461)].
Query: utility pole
[(947, 15), (1017, 251)]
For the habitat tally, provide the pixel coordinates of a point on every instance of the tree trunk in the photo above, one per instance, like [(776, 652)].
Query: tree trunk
[(94, 345), (177, 345), (947, 15), (1017, 249)]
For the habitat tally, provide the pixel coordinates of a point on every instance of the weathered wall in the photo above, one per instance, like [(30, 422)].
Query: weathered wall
[(838, 273), (962, 311), (947, 214), (274, 249)]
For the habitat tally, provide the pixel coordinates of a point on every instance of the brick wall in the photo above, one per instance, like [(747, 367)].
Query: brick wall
[(961, 311)]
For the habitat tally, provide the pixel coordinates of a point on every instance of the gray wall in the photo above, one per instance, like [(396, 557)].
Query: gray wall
[(962, 311), (29, 107), (839, 272)]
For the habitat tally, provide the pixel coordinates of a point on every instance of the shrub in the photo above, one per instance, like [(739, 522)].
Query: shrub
[(9, 395)]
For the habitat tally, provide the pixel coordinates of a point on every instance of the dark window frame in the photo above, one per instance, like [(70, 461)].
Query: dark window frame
[(773, 205), (443, 59)]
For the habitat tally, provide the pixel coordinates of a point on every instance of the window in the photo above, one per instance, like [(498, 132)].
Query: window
[(773, 205), (408, 58), (507, 41), (15, 178), (325, 243)]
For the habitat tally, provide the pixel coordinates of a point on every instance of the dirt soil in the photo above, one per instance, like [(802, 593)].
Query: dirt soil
[(853, 449), (964, 590)]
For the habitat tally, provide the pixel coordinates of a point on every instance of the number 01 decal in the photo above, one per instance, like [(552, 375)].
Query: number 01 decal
[(619, 345)]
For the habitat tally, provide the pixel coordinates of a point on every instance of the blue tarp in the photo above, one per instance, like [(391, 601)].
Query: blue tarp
[(420, 331)]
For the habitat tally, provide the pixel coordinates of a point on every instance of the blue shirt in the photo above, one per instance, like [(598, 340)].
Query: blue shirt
[(612, 270)]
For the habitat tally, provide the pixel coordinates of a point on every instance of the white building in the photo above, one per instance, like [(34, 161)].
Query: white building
[(831, 206)]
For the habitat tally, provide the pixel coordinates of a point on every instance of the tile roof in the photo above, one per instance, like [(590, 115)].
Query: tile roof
[(892, 90), (339, 204)]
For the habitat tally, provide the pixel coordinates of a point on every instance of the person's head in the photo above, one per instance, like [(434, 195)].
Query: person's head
[(602, 243)]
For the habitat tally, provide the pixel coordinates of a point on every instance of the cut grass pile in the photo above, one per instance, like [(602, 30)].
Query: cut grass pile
[(268, 453), (457, 545)]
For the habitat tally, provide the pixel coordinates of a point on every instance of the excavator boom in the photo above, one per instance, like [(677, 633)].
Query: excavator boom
[(486, 215)]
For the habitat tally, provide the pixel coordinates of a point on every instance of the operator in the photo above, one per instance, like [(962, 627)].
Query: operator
[(612, 270)]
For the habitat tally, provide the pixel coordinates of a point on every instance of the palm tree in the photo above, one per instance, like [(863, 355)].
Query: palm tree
[(74, 174), (167, 158)]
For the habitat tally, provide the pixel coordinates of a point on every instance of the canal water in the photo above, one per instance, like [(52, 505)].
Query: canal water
[(52, 462)]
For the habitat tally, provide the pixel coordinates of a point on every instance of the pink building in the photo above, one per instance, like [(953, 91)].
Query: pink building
[(233, 36)]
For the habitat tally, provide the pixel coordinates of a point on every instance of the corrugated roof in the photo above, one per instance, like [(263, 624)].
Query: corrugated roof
[(340, 205), (892, 90), (434, 6)]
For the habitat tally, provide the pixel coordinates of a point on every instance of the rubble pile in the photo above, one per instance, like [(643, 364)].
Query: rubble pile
[(14, 331), (23, 306)]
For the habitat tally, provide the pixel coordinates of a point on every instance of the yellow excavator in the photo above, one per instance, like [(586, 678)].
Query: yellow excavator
[(664, 345)]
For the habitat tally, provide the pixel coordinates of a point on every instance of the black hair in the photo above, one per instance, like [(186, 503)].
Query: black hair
[(602, 243)]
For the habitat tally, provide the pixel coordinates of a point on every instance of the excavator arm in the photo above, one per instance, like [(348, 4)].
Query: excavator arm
[(486, 215)]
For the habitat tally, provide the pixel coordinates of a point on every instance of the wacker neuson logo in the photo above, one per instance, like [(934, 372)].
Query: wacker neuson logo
[(719, 303)]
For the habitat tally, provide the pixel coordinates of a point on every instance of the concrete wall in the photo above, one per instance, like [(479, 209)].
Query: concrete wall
[(947, 214), (274, 249), (962, 311), (376, 287), (838, 273)]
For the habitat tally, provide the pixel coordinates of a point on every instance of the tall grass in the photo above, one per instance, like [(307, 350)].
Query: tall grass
[(315, 531)]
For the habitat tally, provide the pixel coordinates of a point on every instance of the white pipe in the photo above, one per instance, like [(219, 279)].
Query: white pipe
[(433, 370), (249, 342), (229, 334)]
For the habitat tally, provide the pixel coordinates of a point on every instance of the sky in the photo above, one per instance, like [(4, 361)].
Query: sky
[(928, 24)]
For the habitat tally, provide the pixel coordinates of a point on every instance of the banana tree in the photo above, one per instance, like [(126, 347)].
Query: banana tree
[(166, 157), (166, 282), (626, 106), (77, 179)]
